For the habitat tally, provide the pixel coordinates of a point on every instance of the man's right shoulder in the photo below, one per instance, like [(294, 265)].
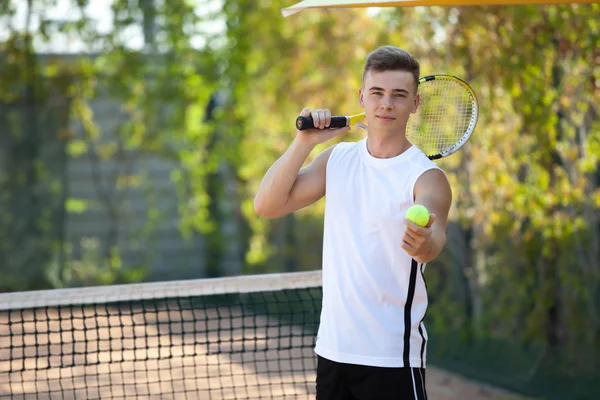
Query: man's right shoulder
[(339, 151), (343, 146)]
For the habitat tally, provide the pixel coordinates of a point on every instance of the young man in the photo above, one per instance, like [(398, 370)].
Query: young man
[(371, 342)]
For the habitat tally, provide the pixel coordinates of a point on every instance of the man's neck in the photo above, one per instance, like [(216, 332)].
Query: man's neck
[(387, 146)]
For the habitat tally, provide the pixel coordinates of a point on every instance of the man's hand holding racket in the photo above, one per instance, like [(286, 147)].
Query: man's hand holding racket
[(288, 186), (321, 132)]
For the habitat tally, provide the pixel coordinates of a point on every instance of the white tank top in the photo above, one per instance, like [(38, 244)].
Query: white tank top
[(374, 293)]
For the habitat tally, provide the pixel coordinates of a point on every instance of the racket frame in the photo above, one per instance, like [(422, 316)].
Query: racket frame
[(474, 115)]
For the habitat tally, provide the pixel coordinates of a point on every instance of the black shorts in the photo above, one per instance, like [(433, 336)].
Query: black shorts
[(339, 381)]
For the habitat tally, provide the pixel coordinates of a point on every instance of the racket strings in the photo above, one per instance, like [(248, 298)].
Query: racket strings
[(443, 118)]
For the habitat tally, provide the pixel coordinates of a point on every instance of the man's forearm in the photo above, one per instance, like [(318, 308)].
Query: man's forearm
[(277, 183)]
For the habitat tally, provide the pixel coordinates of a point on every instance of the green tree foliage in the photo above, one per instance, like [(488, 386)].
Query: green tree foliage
[(163, 88), (32, 199), (534, 186)]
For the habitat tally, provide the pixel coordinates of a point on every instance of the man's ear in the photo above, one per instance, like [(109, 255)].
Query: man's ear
[(361, 98), (416, 104)]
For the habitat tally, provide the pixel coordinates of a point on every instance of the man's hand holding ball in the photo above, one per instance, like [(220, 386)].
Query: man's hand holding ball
[(418, 231)]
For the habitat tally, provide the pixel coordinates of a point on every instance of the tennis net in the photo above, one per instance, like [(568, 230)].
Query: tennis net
[(247, 337)]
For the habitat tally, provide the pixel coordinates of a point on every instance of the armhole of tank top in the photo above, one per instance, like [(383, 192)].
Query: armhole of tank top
[(413, 183), (331, 157)]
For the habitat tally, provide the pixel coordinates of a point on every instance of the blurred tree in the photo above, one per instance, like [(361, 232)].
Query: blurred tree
[(538, 190), (529, 210), (163, 86), (32, 202)]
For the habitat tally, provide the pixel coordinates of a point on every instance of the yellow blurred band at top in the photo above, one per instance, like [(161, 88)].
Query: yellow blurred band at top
[(415, 3)]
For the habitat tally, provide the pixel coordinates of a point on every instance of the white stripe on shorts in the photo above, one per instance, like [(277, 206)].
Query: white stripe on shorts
[(412, 374), (423, 385)]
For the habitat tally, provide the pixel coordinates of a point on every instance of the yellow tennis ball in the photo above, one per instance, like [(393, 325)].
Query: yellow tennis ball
[(418, 214)]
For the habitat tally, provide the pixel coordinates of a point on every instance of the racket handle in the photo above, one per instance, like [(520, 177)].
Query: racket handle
[(304, 123)]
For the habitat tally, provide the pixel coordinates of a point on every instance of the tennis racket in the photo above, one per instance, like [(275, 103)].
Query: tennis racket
[(443, 123)]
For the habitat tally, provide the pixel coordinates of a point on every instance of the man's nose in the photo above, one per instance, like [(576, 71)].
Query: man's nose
[(386, 102)]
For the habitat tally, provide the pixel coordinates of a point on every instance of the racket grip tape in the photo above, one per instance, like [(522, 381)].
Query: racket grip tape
[(305, 123)]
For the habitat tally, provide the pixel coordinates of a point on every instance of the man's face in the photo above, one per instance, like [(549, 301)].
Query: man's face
[(388, 97)]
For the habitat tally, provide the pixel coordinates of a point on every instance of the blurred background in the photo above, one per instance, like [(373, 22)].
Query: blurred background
[(134, 135)]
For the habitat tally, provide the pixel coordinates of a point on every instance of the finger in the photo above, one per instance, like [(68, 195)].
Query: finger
[(327, 117), (314, 114), (322, 120), (414, 228), (305, 112), (431, 219), (407, 247), (417, 242), (317, 116), (409, 239)]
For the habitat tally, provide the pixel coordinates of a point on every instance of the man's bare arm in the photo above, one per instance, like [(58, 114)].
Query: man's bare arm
[(287, 188), (433, 191)]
